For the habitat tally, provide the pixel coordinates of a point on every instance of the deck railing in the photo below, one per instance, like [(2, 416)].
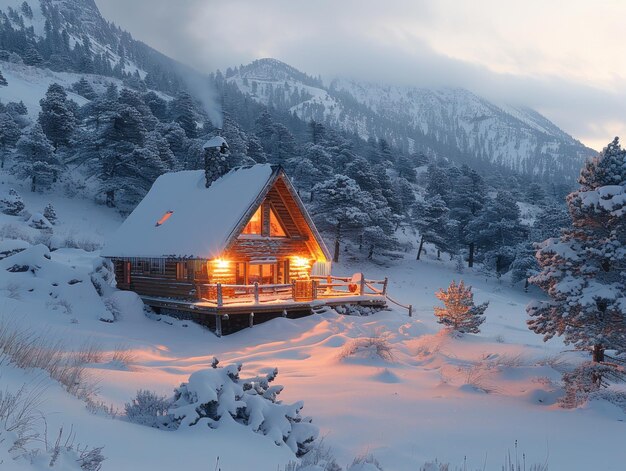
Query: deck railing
[(318, 287)]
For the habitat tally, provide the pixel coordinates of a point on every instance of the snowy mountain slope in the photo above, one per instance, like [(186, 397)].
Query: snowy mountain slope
[(428, 401), (29, 84), (455, 123)]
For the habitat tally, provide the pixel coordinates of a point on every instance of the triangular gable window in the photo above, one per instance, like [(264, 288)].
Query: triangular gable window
[(256, 224), (276, 229)]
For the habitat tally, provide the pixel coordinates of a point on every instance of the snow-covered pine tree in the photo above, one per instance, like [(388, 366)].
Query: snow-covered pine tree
[(460, 313), (84, 89), (50, 214), (496, 229), (32, 57), (9, 135), (11, 203), (535, 193), (525, 264), (182, 111), (342, 207), (57, 118), (437, 182), (584, 270), (550, 221), (3, 81), (36, 158), (431, 220), (466, 201)]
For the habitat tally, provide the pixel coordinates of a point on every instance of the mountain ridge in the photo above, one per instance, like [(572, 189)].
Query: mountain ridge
[(427, 120)]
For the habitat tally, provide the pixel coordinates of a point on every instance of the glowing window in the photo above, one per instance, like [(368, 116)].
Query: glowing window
[(254, 226), (276, 230), (164, 218)]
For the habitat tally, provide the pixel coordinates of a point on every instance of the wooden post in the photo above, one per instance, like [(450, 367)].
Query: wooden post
[(220, 299), (410, 310), (256, 292), (218, 325), (251, 319), (362, 285), (314, 290), (385, 286)]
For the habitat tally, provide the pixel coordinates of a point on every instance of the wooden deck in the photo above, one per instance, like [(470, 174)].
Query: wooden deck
[(233, 317), (226, 308)]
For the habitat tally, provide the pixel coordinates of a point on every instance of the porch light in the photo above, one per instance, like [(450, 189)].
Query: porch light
[(300, 261), (221, 263)]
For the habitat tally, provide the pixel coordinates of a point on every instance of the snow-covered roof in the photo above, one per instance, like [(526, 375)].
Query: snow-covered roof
[(194, 221), (216, 141)]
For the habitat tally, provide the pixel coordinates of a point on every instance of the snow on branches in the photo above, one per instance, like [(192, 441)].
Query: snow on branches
[(460, 313), (584, 270), (215, 396)]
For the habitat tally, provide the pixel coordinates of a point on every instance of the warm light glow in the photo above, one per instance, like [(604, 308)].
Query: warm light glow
[(254, 225), (164, 218), (221, 263), (300, 261)]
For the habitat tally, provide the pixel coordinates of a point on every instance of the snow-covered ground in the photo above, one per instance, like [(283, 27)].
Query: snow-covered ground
[(438, 397)]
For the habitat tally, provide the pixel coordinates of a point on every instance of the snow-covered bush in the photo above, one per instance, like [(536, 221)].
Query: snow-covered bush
[(148, 408), (365, 463), (460, 313), (376, 345), (218, 395), (587, 378), (50, 214), (11, 203), (39, 221)]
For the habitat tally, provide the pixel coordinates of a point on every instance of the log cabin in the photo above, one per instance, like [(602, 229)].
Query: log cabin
[(218, 243)]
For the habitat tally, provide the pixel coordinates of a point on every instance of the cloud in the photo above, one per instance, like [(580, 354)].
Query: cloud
[(533, 53)]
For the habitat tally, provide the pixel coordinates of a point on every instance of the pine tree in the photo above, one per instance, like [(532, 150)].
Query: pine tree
[(182, 110), (466, 201), (431, 220), (342, 207), (57, 118), (11, 203), (9, 135), (84, 89), (535, 193), (36, 158), (32, 57), (496, 228), (460, 313), (3, 81), (583, 270), (50, 214)]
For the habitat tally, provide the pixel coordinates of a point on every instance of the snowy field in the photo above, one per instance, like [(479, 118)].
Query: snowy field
[(438, 397)]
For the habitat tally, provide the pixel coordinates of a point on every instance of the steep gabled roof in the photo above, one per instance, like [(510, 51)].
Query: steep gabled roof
[(181, 218)]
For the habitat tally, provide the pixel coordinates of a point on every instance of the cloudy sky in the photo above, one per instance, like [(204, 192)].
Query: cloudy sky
[(564, 59)]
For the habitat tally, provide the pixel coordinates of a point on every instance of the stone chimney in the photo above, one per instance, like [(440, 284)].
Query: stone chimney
[(216, 161)]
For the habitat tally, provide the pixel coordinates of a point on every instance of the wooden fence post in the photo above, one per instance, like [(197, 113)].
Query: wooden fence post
[(385, 286), (251, 319), (410, 310), (220, 299), (256, 292), (362, 285), (218, 325)]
